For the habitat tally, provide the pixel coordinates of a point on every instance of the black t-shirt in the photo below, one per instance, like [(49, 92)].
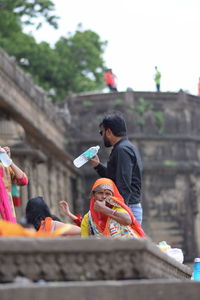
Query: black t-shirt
[(124, 167)]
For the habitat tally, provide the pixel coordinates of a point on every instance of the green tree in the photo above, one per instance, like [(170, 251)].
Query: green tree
[(81, 57), (75, 64), (18, 12)]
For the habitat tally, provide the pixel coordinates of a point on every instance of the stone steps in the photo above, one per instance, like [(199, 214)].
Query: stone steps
[(103, 290)]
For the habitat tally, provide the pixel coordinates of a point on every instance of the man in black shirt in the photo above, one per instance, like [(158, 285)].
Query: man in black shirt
[(124, 166)]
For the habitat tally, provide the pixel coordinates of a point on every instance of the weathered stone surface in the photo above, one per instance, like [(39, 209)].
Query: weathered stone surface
[(103, 290), (71, 259), (31, 127)]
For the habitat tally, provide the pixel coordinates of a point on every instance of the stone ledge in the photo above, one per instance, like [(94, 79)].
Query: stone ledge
[(103, 290), (73, 259)]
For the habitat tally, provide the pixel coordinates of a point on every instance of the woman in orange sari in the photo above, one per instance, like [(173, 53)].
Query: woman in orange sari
[(40, 223), (109, 215), (38, 215)]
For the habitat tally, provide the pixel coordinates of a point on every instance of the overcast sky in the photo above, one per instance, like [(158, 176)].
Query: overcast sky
[(141, 34)]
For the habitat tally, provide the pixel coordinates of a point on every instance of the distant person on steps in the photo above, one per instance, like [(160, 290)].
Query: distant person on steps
[(157, 79), (110, 80)]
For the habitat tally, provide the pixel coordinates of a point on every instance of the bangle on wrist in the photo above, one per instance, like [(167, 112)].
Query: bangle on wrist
[(113, 212)]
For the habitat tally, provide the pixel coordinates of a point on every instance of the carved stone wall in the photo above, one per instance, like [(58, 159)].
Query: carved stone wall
[(31, 127), (70, 259)]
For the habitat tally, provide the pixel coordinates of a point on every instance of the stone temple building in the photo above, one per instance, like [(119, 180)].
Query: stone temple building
[(45, 138)]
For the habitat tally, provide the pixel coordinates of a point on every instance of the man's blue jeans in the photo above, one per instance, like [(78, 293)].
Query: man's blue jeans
[(137, 211)]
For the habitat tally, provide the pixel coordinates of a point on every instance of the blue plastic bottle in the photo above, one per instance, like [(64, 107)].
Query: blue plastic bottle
[(196, 272)]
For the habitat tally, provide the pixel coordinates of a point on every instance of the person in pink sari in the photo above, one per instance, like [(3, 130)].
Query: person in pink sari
[(9, 175)]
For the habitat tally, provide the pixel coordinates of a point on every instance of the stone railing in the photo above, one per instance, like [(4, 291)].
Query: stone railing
[(73, 259)]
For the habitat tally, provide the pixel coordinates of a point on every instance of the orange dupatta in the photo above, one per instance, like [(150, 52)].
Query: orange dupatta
[(14, 230)]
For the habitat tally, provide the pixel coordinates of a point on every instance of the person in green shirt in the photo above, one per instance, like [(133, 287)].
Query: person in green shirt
[(157, 79)]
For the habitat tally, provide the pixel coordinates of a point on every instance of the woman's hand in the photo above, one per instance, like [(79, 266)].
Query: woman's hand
[(2, 150), (100, 206), (7, 150), (65, 207), (120, 217)]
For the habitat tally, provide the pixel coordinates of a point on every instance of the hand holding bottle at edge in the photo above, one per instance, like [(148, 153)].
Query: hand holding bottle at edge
[(95, 161), (7, 149), (86, 156), (5, 156)]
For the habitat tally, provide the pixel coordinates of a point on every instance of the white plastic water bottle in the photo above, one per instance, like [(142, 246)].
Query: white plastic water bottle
[(85, 156), (5, 159)]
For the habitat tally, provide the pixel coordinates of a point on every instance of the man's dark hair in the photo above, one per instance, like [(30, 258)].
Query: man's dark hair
[(36, 211), (115, 123)]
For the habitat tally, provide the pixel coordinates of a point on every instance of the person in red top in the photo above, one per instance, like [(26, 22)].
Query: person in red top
[(199, 87), (110, 80)]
